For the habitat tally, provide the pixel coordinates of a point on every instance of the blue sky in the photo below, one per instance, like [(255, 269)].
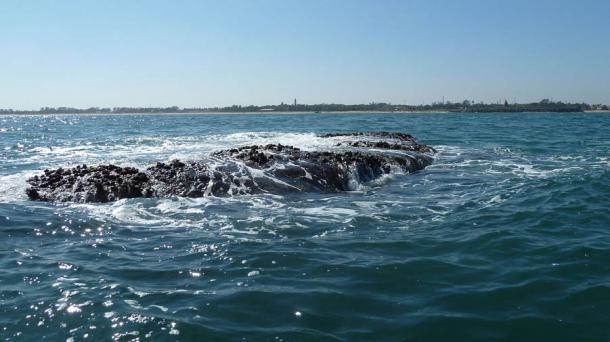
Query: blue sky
[(207, 53)]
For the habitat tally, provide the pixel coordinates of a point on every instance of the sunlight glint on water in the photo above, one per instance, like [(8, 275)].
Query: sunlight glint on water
[(505, 234)]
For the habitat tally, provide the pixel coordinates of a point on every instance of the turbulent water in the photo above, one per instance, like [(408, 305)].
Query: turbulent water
[(505, 236)]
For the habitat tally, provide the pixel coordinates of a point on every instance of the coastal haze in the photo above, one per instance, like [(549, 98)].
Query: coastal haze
[(443, 173)]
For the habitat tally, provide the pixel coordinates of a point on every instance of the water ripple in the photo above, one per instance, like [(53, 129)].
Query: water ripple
[(503, 237)]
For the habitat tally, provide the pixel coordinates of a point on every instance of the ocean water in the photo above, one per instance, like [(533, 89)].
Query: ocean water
[(505, 237)]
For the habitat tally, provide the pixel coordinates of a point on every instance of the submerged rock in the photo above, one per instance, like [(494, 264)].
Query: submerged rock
[(358, 157)]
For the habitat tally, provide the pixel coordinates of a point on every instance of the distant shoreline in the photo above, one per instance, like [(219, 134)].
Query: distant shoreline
[(465, 106), (298, 113), (246, 113)]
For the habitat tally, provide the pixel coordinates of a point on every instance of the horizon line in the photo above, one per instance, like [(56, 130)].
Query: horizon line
[(289, 105)]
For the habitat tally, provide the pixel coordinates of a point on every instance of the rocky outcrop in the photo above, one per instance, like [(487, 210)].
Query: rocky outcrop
[(357, 158), (382, 140)]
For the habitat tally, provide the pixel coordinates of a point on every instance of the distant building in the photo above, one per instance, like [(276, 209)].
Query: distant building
[(266, 110), (295, 102)]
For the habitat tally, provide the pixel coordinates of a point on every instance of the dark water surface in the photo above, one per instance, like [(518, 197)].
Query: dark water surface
[(506, 236)]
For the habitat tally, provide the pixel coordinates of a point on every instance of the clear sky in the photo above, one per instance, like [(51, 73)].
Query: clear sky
[(83, 53)]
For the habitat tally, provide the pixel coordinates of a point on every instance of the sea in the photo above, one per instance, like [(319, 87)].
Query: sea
[(506, 236)]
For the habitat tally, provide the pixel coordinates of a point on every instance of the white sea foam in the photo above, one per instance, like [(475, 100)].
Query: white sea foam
[(501, 161), (304, 141), (13, 186)]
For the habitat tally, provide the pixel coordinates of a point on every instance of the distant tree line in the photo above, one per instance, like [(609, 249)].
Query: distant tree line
[(464, 106), (542, 106)]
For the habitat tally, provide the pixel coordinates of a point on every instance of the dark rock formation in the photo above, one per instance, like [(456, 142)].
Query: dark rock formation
[(391, 141), (101, 183), (377, 134), (358, 157)]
